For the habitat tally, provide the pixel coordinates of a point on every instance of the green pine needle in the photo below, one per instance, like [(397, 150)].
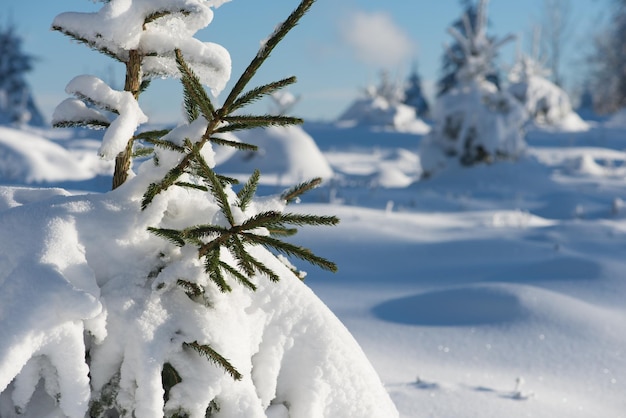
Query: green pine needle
[(213, 356), (155, 188), (292, 194), (81, 40), (242, 146), (241, 123), (260, 92), (194, 93), (291, 250), (192, 290), (142, 152), (238, 276), (191, 186), (266, 49), (247, 192), (212, 268), (172, 235), (152, 136), (91, 124)]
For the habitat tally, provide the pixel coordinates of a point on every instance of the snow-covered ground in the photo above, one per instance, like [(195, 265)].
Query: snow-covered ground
[(491, 291)]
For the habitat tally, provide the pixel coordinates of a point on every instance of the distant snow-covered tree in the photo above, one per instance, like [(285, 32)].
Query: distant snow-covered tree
[(545, 102), (414, 94), (171, 296), (455, 57), (474, 121), (382, 106), (608, 62), (17, 104)]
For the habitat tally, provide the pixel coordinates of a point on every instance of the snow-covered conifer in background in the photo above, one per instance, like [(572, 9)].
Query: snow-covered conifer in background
[(608, 62), (159, 298), (474, 122), (414, 94), (382, 106), (17, 104), (142, 35), (546, 103), (455, 56)]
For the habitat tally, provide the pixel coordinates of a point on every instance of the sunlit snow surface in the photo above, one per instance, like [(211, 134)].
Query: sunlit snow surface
[(492, 291)]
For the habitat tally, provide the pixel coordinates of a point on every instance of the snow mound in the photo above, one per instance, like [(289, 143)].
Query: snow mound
[(617, 120), (61, 289), (29, 158), (465, 306), (286, 156)]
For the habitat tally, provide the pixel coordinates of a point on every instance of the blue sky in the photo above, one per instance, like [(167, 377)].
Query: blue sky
[(334, 52)]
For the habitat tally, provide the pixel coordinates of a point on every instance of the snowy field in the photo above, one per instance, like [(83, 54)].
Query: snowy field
[(495, 291)]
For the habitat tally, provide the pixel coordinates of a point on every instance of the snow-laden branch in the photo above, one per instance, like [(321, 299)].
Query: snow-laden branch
[(130, 116)]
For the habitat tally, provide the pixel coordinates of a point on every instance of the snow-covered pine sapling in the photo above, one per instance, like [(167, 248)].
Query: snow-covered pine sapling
[(142, 35), (236, 233), (261, 229)]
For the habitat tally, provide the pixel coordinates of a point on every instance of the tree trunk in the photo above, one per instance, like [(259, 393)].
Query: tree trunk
[(132, 85)]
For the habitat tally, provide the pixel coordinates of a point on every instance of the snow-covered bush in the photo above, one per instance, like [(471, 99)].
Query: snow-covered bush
[(474, 121), (382, 106), (17, 104), (546, 103), (157, 298)]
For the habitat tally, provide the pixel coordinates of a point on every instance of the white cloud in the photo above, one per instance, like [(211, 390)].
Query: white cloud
[(376, 40)]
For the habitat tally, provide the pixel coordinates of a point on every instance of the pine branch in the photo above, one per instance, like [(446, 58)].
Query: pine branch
[(164, 144), (89, 43), (260, 92), (240, 123), (302, 220), (212, 268), (242, 146), (163, 13), (292, 194), (203, 231), (192, 290), (142, 152), (92, 124), (263, 269), (245, 261), (152, 136), (247, 192), (282, 232), (291, 250), (265, 51), (215, 186), (191, 186), (196, 97), (156, 188), (171, 235), (213, 356), (238, 276)]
